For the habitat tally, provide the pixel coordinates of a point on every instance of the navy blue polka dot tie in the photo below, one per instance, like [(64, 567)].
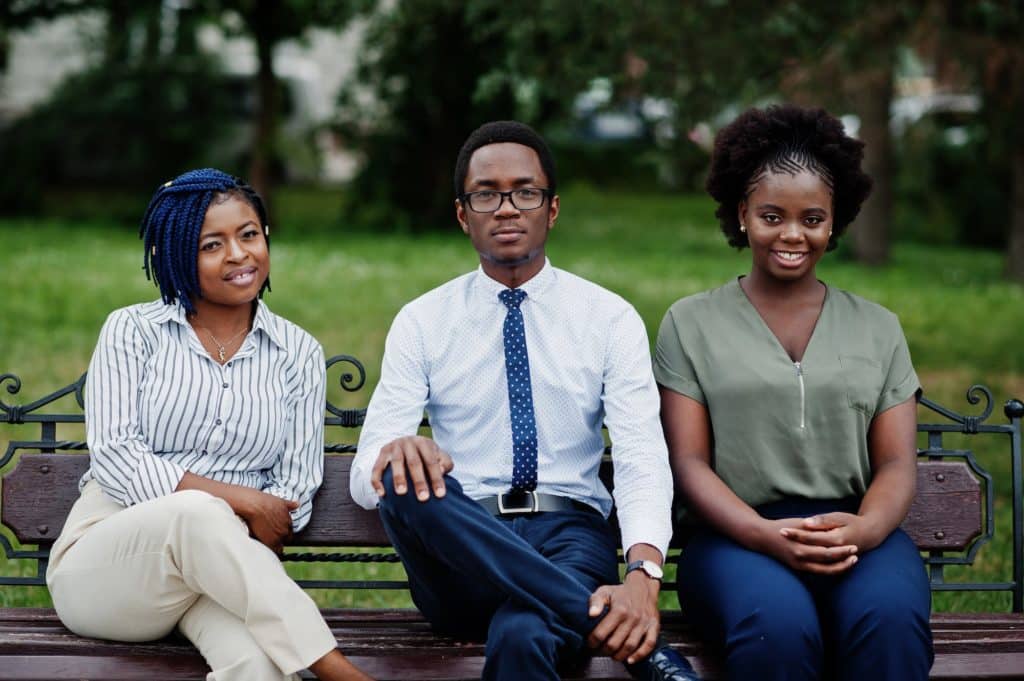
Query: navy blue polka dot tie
[(520, 394)]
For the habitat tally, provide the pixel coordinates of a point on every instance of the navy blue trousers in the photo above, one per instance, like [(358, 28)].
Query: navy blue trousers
[(772, 622), (525, 582)]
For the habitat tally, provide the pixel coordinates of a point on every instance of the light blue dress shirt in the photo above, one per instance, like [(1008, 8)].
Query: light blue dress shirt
[(589, 363)]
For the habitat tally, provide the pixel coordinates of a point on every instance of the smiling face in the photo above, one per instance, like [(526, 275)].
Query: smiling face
[(509, 240), (233, 257), (788, 218)]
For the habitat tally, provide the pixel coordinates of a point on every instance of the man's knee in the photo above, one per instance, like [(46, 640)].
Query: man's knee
[(396, 504)]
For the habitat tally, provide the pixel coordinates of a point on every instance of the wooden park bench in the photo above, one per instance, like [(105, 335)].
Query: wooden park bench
[(953, 517)]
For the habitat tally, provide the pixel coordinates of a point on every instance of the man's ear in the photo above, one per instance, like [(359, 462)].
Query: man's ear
[(553, 211), (460, 215)]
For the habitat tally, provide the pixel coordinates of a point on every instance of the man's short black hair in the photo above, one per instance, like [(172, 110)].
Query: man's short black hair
[(786, 139), (497, 132)]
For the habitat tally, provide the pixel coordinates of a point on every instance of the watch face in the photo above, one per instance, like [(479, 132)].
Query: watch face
[(653, 569), (648, 567)]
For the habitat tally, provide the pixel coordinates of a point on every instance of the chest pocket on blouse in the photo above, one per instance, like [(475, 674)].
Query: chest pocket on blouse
[(864, 379)]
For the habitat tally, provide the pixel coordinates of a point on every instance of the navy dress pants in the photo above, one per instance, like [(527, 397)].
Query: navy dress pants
[(870, 622), (524, 582)]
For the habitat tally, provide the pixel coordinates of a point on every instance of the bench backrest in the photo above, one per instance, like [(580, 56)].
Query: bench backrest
[(951, 519)]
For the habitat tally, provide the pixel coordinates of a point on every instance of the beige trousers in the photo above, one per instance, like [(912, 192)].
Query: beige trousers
[(185, 560)]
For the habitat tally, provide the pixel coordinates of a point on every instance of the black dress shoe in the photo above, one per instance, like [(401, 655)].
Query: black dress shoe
[(664, 664)]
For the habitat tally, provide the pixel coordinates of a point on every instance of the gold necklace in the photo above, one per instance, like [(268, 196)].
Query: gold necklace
[(221, 347)]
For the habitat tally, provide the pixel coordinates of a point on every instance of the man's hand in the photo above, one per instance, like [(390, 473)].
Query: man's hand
[(414, 459), (629, 630), (789, 540), (268, 517)]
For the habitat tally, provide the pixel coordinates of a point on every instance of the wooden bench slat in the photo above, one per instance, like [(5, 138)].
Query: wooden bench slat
[(38, 493), (947, 511), (166, 666), (968, 666), (389, 643)]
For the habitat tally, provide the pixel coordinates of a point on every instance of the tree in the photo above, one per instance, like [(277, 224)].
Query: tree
[(435, 69), (268, 23), (990, 35)]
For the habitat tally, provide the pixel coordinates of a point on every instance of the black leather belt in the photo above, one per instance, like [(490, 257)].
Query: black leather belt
[(528, 503)]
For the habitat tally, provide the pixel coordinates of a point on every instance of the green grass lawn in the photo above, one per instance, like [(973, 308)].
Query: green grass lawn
[(60, 277)]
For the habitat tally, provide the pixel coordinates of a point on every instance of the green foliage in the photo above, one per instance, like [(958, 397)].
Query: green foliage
[(126, 127), (936, 200), (434, 70)]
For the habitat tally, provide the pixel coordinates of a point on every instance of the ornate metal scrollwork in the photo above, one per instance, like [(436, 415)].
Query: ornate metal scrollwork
[(14, 412), (347, 380), (970, 423)]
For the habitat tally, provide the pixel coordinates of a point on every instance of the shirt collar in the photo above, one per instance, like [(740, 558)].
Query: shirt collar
[(535, 288), (263, 320), (159, 312)]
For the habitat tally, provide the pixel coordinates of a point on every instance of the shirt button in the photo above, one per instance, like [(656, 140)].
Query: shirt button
[(219, 422), (204, 452), (225, 385), (229, 363)]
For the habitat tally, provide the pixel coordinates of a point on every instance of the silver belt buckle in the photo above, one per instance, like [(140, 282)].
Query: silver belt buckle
[(532, 508)]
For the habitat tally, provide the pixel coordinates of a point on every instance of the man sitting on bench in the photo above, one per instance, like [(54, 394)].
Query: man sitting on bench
[(517, 365)]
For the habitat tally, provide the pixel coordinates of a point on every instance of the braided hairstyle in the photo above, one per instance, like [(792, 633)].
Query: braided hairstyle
[(171, 225), (786, 139)]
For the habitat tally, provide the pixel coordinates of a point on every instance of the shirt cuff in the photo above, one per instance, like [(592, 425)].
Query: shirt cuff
[(361, 490), (679, 384), (643, 533), (909, 387), (155, 477)]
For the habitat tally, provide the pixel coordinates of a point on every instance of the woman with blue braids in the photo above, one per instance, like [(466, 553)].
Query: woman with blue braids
[(204, 413)]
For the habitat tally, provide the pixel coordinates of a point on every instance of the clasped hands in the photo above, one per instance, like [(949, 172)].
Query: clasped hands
[(629, 629), (825, 544), (268, 517)]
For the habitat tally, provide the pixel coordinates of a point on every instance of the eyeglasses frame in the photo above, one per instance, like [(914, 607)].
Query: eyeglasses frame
[(505, 196)]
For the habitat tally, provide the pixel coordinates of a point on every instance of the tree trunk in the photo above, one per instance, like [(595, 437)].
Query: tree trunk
[(1015, 247), (116, 42), (264, 130), (871, 95)]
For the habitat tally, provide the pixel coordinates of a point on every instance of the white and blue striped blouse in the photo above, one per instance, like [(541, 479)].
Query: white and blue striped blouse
[(157, 405)]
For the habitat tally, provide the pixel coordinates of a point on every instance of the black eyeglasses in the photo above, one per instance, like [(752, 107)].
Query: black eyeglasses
[(489, 200)]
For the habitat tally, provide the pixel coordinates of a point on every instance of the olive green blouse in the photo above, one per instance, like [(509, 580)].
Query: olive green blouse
[(785, 429)]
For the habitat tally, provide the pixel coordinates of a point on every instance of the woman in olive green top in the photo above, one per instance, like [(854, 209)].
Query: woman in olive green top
[(790, 413)]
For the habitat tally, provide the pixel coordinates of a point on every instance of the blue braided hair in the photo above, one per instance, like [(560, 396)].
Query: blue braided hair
[(171, 225)]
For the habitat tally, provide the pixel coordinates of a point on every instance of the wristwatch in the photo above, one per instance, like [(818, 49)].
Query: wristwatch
[(648, 567)]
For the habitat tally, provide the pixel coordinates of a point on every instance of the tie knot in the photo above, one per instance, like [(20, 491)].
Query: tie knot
[(512, 297)]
